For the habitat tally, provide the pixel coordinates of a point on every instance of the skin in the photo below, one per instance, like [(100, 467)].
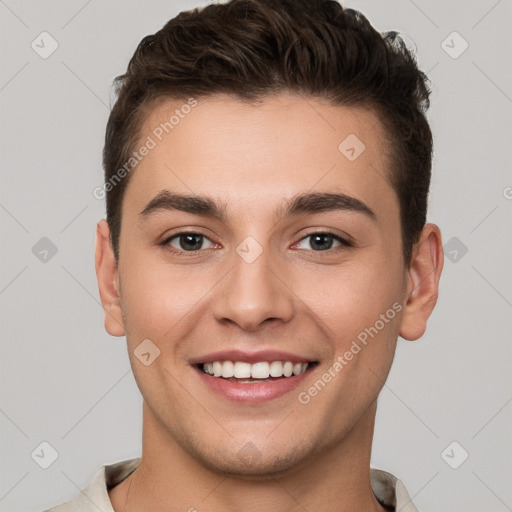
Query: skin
[(314, 303)]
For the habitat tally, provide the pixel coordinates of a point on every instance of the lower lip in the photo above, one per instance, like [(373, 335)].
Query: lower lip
[(253, 393)]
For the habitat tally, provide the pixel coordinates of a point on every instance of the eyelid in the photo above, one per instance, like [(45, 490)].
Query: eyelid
[(344, 241), (165, 243)]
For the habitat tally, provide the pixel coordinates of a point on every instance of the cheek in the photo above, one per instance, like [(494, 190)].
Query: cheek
[(359, 307), (158, 299), (352, 297), (360, 310)]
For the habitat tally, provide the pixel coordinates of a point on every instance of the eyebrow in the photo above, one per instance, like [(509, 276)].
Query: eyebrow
[(318, 202)]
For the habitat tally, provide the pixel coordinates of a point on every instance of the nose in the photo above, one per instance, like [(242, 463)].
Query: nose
[(252, 294)]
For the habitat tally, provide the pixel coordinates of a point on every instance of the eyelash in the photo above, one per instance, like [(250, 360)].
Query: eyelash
[(344, 242)]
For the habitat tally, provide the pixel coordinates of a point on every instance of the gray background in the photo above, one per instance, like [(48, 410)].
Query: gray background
[(65, 381)]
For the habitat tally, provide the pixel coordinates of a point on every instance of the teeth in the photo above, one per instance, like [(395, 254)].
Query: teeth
[(217, 369), (260, 370), (287, 369), (242, 370), (228, 369), (276, 369)]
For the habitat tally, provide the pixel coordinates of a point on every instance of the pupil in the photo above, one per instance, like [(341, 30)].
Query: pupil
[(194, 242), (317, 241)]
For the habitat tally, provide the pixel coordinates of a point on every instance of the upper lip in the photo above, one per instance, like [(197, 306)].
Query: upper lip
[(249, 357)]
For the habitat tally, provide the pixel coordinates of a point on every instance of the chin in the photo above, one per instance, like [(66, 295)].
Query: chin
[(250, 464)]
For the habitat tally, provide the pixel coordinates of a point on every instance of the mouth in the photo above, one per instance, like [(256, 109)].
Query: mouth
[(250, 373), (253, 383)]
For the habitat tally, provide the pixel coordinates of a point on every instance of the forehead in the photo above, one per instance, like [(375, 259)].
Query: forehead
[(250, 155)]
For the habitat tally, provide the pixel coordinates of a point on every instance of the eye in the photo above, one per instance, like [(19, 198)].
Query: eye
[(190, 242), (323, 241)]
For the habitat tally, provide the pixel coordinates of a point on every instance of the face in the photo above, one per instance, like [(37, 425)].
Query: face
[(290, 257)]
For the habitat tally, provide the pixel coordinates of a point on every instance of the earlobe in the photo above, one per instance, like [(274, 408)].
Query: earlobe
[(422, 283), (108, 281)]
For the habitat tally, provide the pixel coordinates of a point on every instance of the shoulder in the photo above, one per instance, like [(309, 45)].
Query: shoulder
[(95, 497)]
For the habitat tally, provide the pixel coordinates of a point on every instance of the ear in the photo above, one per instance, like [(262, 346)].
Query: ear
[(108, 280), (422, 282)]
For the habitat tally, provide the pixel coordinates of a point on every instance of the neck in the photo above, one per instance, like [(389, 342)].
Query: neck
[(169, 478)]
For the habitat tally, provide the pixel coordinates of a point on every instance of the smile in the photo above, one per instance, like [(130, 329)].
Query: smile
[(253, 383), (258, 371)]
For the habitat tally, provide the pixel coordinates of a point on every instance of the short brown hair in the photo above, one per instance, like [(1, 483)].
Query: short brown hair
[(251, 49)]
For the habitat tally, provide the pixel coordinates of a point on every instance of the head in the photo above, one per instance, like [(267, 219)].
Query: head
[(283, 119)]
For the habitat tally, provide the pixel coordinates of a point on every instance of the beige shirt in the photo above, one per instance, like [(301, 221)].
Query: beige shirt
[(94, 498)]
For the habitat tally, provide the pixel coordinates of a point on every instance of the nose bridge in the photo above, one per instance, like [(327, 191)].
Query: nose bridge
[(253, 290)]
